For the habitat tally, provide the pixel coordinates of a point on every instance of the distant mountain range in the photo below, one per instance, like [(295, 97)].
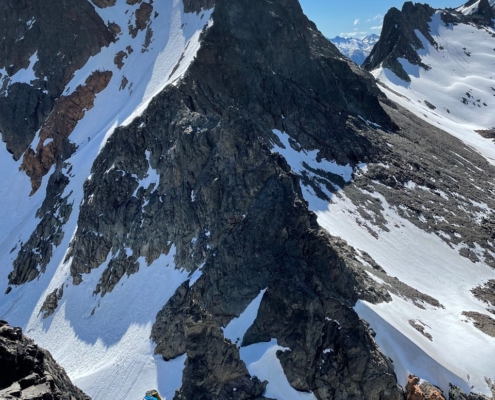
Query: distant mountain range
[(356, 49)]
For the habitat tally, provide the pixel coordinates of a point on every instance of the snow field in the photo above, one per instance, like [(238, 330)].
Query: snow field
[(462, 67), (425, 262)]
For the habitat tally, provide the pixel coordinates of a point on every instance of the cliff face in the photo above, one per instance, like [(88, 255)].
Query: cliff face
[(399, 40), (180, 190), (29, 372), (230, 205), (51, 41)]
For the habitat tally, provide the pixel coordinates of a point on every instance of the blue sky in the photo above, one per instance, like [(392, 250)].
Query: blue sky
[(356, 18)]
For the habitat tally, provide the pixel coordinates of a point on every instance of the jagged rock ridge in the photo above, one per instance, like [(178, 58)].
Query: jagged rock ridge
[(29, 372), (399, 40), (207, 149), (196, 175)]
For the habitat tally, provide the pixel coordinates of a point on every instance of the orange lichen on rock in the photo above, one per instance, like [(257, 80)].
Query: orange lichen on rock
[(67, 112), (413, 391)]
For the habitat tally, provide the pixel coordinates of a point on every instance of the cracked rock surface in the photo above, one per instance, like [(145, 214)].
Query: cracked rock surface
[(29, 372)]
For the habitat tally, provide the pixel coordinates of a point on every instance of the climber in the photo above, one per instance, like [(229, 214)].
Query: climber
[(152, 395)]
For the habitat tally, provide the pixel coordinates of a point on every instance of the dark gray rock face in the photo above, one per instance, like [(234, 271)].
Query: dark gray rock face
[(36, 253), (29, 372), (104, 3), (214, 364), (225, 201), (456, 393), (32, 27), (197, 5), (484, 15), (398, 39)]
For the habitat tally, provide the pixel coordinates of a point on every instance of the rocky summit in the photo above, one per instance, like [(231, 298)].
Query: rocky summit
[(209, 200)]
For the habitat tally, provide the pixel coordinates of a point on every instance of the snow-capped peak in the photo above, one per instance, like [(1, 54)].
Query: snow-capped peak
[(356, 49)]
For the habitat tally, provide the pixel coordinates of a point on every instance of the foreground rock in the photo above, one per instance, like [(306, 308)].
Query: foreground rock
[(29, 372)]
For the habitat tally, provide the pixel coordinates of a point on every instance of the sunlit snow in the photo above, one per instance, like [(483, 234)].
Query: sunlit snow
[(261, 361), (107, 353), (460, 83), (428, 264)]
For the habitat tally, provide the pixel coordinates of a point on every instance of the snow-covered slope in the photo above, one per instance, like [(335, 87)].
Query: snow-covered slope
[(450, 350), (104, 346), (457, 93), (471, 7), (426, 263), (355, 49)]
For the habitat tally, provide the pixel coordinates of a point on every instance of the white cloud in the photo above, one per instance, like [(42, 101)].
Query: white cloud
[(352, 34), (376, 28), (377, 17), (356, 21)]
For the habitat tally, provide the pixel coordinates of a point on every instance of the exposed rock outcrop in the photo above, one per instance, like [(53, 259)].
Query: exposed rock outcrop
[(197, 5), (208, 141), (67, 112), (486, 293), (484, 14), (431, 392), (54, 213), (104, 3), (483, 322), (51, 302), (29, 372), (456, 393), (413, 391), (423, 391), (31, 31), (143, 14), (214, 363), (399, 40)]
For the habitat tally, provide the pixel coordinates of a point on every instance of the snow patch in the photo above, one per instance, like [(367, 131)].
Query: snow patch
[(238, 327), (25, 75), (303, 161), (261, 360)]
